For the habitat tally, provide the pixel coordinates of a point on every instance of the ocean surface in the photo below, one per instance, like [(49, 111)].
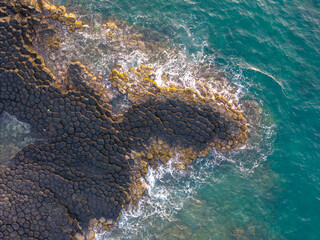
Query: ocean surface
[(271, 188)]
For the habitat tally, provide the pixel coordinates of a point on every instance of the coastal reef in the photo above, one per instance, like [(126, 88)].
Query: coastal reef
[(85, 163)]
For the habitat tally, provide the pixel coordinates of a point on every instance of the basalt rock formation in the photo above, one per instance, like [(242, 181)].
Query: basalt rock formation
[(85, 162)]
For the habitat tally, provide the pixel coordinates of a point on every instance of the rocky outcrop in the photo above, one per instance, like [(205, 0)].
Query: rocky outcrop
[(85, 163)]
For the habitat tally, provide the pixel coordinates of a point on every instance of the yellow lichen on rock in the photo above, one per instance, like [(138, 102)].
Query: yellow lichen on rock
[(139, 170), (60, 14), (158, 151), (110, 34), (53, 41), (97, 226), (110, 25)]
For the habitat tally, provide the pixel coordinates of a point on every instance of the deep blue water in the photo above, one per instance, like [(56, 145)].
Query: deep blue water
[(271, 49)]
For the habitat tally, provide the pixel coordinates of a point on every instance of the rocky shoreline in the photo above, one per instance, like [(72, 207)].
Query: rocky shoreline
[(86, 163)]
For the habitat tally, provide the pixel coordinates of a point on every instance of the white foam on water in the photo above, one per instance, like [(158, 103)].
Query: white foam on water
[(161, 202)]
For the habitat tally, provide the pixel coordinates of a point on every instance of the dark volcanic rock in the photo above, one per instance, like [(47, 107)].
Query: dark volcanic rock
[(79, 169)]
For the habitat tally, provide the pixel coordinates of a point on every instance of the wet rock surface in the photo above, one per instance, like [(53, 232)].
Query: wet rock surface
[(83, 164)]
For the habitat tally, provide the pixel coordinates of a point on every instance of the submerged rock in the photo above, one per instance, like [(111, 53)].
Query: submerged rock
[(87, 163)]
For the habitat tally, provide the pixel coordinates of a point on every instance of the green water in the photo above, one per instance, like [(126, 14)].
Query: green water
[(271, 49)]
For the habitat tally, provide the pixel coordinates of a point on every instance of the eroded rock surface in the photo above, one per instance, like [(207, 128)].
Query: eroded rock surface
[(86, 162)]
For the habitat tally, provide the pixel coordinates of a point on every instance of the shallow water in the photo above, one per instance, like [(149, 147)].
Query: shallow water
[(270, 189), (14, 135)]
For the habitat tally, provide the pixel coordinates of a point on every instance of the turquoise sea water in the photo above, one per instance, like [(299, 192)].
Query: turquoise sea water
[(270, 190)]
